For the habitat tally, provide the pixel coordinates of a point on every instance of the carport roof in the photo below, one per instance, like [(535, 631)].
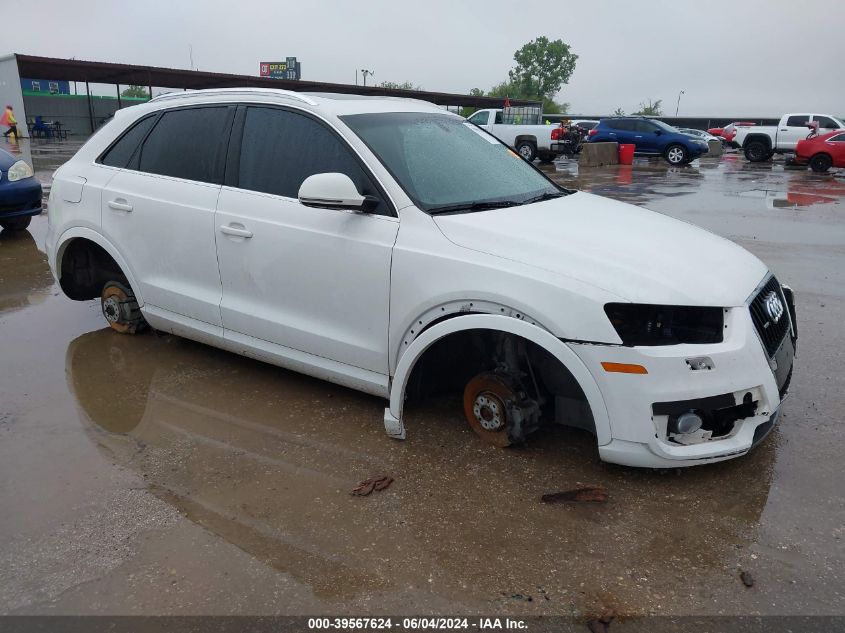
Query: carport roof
[(33, 67)]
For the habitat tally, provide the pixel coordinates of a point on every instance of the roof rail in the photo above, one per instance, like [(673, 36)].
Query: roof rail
[(278, 92)]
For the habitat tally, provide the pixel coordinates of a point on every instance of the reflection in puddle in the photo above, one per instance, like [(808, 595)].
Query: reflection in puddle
[(25, 277), (265, 459)]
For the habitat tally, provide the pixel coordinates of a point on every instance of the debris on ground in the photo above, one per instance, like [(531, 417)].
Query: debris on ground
[(602, 624), (588, 494), (746, 578), (518, 596), (373, 483)]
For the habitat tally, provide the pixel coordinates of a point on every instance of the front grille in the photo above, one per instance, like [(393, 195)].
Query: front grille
[(771, 332)]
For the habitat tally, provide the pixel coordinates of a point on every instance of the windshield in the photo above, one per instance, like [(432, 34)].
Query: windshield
[(664, 126), (446, 164)]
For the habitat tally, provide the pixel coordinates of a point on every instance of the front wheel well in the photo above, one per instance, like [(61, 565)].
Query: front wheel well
[(445, 368), (85, 268)]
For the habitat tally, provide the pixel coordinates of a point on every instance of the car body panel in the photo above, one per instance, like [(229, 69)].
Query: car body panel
[(832, 144), (356, 299), (20, 198), (622, 249), (645, 136)]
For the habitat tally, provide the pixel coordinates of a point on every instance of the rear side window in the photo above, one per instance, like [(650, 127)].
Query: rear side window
[(280, 149), (118, 155), (626, 125), (798, 120), (187, 143)]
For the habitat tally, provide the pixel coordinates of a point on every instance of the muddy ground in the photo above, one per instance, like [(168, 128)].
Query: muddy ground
[(153, 475)]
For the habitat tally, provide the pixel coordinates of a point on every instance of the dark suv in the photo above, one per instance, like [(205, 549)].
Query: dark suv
[(651, 138)]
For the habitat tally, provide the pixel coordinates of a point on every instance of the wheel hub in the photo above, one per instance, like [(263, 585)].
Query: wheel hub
[(111, 309), (489, 411)]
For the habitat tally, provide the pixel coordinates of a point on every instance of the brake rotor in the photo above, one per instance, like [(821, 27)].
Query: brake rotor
[(111, 302), (487, 401)]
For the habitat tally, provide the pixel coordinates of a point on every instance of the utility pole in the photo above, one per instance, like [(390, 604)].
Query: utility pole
[(678, 107), (365, 73)]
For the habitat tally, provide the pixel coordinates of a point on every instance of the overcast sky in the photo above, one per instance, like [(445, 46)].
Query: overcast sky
[(737, 57)]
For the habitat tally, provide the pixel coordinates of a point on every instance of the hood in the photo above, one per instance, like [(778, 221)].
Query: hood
[(636, 254)]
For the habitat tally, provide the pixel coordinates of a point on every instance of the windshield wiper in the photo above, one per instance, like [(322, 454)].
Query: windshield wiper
[(473, 206), (549, 195)]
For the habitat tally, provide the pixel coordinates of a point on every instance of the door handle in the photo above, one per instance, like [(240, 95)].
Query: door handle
[(119, 204), (235, 231)]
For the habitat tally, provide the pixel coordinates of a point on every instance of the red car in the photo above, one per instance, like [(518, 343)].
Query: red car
[(822, 152), (729, 131)]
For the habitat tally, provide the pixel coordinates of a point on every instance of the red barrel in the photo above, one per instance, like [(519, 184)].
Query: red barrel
[(626, 154)]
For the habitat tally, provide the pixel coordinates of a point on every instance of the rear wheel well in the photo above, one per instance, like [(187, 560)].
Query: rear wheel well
[(758, 137), (85, 269), (446, 367)]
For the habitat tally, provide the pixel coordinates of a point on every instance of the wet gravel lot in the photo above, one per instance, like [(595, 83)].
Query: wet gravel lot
[(152, 475)]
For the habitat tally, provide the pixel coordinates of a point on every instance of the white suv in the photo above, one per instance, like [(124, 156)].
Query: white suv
[(388, 245)]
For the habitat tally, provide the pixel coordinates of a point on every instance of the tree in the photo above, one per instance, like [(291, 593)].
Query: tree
[(619, 112), (542, 67), (405, 85), (519, 91), (652, 108), (136, 92)]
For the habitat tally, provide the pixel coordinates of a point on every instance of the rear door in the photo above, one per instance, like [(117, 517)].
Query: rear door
[(793, 131), (316, 280), (646, 137), (159, 210)]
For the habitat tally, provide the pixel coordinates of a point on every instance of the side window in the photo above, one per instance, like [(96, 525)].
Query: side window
[(623, 125), (644, 127), (826, 122), (187, 143), (498, 118), (797, 120), (480, 118), (839, 138), (280, 149), (121, 151)]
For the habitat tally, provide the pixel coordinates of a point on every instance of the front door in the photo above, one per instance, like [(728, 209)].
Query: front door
[(159, 209), (310, 279), (794, 130)]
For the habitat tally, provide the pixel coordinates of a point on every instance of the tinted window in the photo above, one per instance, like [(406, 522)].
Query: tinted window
[(645, 127), (122, 150), (839, 138), (280, 149), (187, 144), (480, 118), (498, 117), (826, 122), (797, 120), (626, 125)]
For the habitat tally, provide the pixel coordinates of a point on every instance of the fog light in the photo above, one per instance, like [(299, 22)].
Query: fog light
[(685, 423)]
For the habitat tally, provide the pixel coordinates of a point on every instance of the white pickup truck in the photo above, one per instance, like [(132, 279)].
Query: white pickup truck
[(761, 142), (521, 131)]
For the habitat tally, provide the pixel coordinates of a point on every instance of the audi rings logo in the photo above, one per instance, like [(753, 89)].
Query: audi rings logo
[(774, 306)]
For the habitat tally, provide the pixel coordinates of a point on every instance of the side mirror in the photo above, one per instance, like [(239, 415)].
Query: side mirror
[(331, 191)]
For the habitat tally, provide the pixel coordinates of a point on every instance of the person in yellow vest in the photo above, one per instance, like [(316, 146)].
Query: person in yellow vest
[(8, 119)]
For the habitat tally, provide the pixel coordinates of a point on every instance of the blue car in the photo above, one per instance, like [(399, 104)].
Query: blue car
[(651, 138), (20, 193)]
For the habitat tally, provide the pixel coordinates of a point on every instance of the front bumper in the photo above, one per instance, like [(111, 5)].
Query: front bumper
[(740, 370), (20, 198)]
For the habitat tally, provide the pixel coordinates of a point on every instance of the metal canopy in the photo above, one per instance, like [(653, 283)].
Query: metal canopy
[(33, 67)]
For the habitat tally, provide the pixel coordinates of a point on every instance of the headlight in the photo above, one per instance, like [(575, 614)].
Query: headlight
[(642, 324), (19, 171)]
